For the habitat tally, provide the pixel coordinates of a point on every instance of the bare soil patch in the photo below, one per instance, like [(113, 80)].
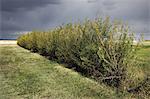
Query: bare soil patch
[(8, 42)]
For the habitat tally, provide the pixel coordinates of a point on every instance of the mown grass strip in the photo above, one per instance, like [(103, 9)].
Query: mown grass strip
[(28, 75)]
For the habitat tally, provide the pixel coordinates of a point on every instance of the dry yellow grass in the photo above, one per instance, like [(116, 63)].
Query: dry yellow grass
[(8, 42)]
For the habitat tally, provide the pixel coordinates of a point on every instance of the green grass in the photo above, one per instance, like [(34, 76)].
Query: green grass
[(28, 75), (144, 57)]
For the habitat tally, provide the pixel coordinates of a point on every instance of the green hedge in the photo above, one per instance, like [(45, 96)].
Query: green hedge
[(97, 48)]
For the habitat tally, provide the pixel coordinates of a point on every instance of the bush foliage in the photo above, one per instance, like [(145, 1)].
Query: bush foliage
[(98, 48)]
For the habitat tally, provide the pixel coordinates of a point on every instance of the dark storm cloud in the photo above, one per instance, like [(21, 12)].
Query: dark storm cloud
[(134, 12), (28, 15), (109, 3), (14, 5), (92, 1), (13, 27)]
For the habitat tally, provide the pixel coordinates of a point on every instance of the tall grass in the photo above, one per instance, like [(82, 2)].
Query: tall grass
[(98, 48)]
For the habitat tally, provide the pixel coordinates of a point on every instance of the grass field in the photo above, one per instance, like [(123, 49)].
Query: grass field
[(144, 58), (28, 75)]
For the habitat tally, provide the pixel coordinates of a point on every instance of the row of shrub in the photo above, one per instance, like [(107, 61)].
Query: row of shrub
[(98, 48)]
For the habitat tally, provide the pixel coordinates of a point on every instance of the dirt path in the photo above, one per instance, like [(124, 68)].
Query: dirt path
[(8, 42)]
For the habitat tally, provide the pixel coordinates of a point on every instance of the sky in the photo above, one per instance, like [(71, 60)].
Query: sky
[(21, 16)]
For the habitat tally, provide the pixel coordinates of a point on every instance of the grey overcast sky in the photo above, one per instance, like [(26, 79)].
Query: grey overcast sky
[(19, 16)]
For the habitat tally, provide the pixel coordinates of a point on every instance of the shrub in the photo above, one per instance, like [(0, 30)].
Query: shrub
[(99, 48)]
